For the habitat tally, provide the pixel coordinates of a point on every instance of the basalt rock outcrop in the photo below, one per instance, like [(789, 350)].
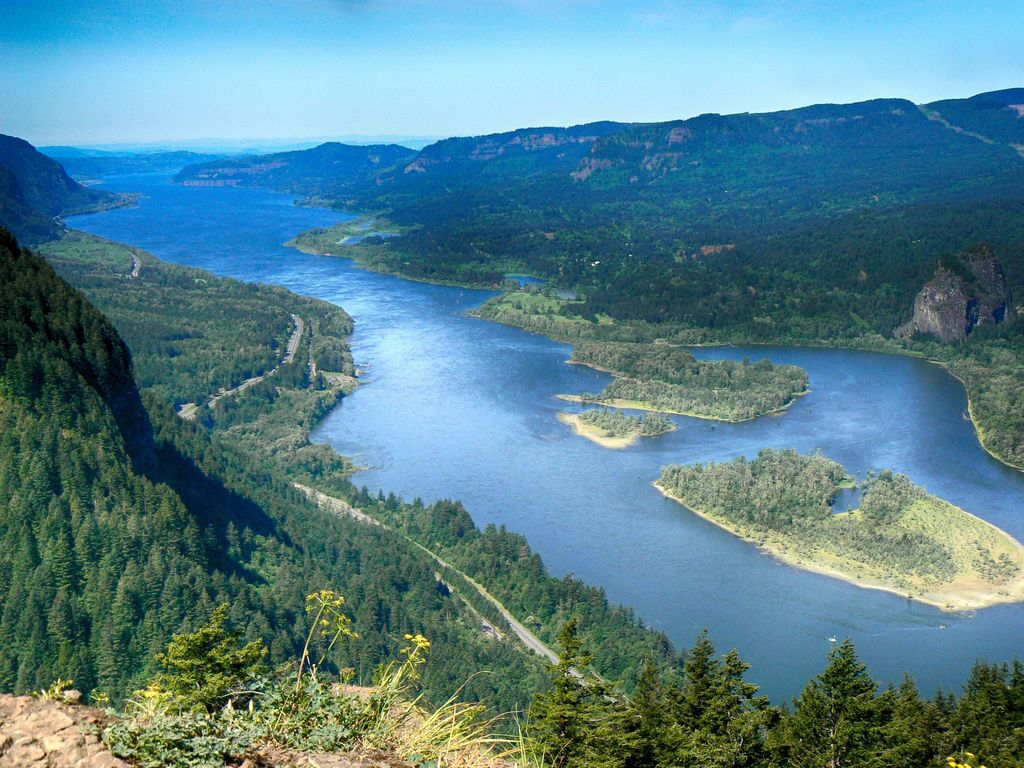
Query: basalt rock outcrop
[(966, 292), (38, 734)]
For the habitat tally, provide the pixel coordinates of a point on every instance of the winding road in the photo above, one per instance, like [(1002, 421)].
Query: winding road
[(188, 410), (527, 637)]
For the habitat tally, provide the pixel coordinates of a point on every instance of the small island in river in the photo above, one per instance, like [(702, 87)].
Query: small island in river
[(666, 378), (615, 429), (901, 538)]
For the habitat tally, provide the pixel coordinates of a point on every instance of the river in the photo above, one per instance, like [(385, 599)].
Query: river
[(464, 408)]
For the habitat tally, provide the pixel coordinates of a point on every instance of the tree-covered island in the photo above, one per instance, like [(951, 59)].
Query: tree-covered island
[(901, 538), (661, 377), (615, 429)]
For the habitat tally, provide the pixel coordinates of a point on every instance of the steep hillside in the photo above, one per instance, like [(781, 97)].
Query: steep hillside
[(86, 537), (17, 215), (104, 551), (34, 188), (996, 116)]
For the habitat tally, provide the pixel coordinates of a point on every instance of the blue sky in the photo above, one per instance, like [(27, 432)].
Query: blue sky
[(110, 71)]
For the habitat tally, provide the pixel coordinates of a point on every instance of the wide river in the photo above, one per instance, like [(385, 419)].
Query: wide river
[(463, 408)]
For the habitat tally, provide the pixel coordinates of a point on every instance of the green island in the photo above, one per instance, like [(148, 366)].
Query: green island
[(660, 377), (652, 372), (901, 538), (990, 365), (615, 429)]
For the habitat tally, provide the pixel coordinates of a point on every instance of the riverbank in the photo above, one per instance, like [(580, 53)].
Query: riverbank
[(978, 429), (961, 594), (328, 241)]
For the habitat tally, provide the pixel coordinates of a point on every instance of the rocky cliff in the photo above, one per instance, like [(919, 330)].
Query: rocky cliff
[(965, 292)]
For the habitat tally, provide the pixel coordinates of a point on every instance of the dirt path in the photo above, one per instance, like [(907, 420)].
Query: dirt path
[(527, 637), (136, 265)]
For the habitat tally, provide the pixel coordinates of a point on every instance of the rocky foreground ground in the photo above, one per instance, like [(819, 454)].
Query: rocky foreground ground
[(36, 733)]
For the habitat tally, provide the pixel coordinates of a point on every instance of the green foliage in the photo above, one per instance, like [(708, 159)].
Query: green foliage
[(835, 721), (618, 424), (205, 668), (785, 497), (183, 739), (289, 709), (670, 378), (563, 718)]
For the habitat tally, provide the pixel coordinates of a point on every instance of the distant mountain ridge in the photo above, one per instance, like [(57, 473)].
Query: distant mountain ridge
[(644, 150), (994, 116), (710, 221), (316, 171), (92, 164)]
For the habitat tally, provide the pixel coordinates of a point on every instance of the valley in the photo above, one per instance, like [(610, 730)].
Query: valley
[(511, 385), (442, 412)]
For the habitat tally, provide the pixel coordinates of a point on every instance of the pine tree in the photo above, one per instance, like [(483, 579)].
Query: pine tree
[(645, 729), (563, 717), (835, 720)]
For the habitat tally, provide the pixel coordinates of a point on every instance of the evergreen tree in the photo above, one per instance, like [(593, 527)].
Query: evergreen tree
[(835, 721), (563, 718), (644, 728)]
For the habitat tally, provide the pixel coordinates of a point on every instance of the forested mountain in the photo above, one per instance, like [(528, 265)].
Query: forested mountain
[(321, 171), (112, 540), (994, 116), (807, 222), (35, 189), (705, 207)]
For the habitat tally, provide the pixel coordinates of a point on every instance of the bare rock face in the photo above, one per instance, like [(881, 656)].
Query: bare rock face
[(49, 734), (966, 292)]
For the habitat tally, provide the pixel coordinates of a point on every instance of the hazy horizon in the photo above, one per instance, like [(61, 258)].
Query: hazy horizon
[(152, 72)]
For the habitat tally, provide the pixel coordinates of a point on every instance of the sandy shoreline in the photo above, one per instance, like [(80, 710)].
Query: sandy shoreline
[(951, 597), (636, 405), (596, 434)]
